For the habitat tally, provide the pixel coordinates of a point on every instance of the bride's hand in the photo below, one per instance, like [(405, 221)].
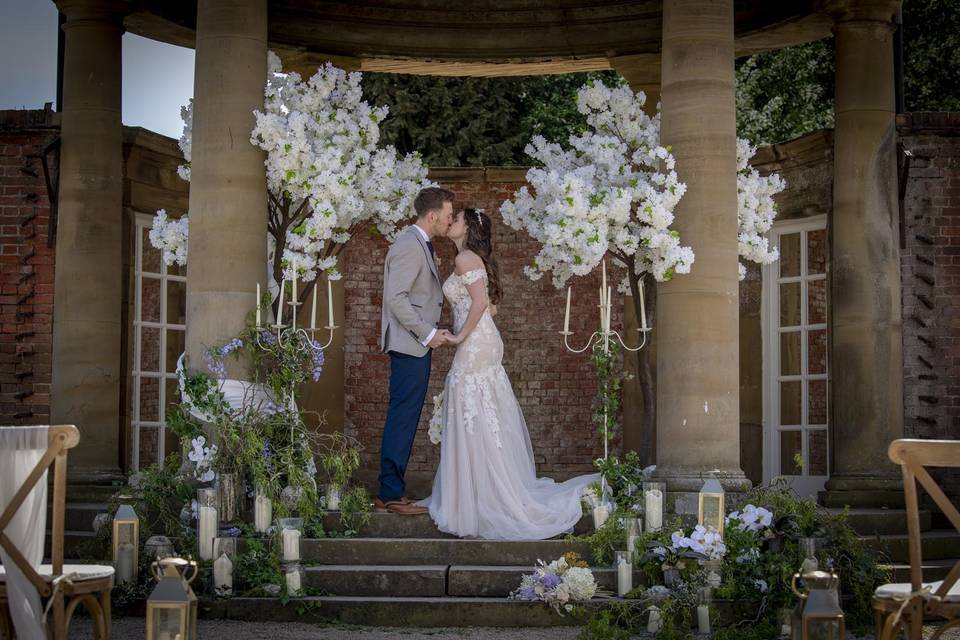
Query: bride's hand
[(455, 338)]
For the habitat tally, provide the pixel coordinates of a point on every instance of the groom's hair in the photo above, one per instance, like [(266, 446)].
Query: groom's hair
[(431, 199)]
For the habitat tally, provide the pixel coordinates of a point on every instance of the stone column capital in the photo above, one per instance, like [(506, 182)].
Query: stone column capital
[(99, 10), (883, 11)]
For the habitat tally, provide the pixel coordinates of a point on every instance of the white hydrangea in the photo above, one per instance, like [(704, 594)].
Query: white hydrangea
[(169, 236), (756, 209), (580, 583), (613, 188)]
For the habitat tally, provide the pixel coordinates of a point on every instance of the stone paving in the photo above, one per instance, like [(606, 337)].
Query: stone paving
[(133, 629)]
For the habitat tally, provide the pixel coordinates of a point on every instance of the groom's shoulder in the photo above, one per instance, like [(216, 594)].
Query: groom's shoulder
[(404, 240)]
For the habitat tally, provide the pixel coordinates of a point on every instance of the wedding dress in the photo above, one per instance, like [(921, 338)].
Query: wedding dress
[(486, 485)]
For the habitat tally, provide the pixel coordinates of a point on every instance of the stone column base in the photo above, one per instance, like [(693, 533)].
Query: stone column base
[(683, 489)]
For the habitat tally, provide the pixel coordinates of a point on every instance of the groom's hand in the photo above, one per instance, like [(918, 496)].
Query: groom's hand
[(440, 338)]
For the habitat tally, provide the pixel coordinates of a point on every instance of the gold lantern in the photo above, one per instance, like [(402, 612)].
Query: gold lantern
[(172, 607), (712, 511), (818, 615), (126, 544)]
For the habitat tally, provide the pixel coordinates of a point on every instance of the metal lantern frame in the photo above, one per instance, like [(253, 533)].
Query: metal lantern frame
[(124, 520), (172, 593), (817, 607), (711, 511)]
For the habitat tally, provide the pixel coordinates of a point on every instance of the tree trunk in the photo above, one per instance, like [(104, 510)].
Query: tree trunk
[(646, 368)]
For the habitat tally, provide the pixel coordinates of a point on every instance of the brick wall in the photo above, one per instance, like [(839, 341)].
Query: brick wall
[(26, 267), (554, 388), (931, 279)]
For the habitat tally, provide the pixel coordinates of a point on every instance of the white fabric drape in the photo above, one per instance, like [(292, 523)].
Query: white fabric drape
[(20, 450)]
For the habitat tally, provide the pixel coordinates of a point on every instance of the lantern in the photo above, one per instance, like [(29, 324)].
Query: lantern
[(290, 535), (126, 543), (172, 607), (712, 511), (818, 615), (653, 495)]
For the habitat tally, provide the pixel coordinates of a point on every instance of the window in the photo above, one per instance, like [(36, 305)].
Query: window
[(795, 299), (159, 331)]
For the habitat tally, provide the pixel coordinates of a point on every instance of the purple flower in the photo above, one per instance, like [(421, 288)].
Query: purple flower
[(268, 338), (232, 532), (216, 366), (316, 359), (527, 593), (550, 581)]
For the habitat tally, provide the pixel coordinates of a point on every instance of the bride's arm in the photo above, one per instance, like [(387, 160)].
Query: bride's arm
[(468, 261)]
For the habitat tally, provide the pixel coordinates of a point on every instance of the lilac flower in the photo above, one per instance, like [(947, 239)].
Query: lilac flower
[(268, 338), (232, 532), (316, 359), (550, 581)]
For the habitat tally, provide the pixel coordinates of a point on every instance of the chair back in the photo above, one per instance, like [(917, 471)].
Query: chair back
[(914, 457), (60, 438)]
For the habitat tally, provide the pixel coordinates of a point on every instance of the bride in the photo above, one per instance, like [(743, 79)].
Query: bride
[(486, 485)]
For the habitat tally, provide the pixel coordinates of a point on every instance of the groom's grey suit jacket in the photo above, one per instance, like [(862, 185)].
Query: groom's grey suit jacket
[(412, 295)]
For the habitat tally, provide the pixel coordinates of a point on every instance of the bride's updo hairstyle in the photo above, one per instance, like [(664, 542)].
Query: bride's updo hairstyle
[(480, 240)]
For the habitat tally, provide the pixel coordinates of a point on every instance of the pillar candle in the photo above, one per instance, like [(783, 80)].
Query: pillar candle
[(653, 622), (632, 543), (333, 498), (294, 300), (653, 505), (206, 532), (293, 581), (291, 545), (703, 618), (223, 575), (280, 305), (262, 512), (258, 305), (600, 515), (624, 577), (643, 307), (566, 317), (330, 301), (125, 568)]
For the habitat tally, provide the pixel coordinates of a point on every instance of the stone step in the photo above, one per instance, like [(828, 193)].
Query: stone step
[(391, 525), (869, 522), (938, 544), (436, 551), (78, 516), (429, 580), (91, 492), (932, 570), (861, 499), (392, 612)]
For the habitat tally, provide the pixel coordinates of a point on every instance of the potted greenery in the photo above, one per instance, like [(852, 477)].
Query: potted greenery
[(339, 458)]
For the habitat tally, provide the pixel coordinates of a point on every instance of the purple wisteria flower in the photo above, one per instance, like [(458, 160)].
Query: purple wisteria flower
[(232, 532), (268, 338), (216, 366)]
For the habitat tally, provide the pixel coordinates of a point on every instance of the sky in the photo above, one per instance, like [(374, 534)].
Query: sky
[(157, 77)]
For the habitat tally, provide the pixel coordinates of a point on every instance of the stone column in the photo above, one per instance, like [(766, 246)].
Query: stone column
[(698, 394), (88, 282), (228, 194), (866, 360)]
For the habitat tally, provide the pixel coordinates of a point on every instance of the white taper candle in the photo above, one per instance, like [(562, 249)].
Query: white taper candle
[(566, 317)]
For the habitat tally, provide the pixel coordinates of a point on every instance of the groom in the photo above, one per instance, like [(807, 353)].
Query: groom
[(412, 301)]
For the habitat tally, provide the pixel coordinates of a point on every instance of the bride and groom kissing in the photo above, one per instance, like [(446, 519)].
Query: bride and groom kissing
[(486, 484)]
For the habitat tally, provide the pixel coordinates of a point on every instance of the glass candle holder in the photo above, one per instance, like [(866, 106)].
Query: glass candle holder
[(290, 535), (654, 494), (207, 521)]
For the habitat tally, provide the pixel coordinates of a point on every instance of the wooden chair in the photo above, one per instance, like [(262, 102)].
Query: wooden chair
[(902, 607), (70, 585)]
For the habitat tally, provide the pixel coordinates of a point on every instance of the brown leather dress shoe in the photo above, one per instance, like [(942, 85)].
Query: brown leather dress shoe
[(401, 506)]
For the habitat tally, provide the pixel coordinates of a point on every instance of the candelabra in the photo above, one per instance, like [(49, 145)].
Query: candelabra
[(288, 332), (605, 335)]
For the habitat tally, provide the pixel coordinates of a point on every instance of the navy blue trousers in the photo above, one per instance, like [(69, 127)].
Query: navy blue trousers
[(409, 376)]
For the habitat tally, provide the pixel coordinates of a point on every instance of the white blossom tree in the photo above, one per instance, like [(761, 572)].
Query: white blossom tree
[(613, 189), (327, 175)]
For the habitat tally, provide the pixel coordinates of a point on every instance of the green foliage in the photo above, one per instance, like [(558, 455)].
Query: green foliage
[(606, 404), (624, 477), (456, 122), (339, 457), (355, 509), (785, 93), (931, 52), (604, 541), (257, 567), (606, 624)]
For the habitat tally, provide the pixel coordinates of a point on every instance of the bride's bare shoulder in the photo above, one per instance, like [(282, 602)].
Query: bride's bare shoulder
[(466, 261)]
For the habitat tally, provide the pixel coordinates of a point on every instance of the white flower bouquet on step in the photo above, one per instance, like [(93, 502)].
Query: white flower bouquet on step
[(559, 583)]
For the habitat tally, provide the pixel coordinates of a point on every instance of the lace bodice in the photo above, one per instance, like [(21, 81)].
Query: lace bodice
[(455, 289)]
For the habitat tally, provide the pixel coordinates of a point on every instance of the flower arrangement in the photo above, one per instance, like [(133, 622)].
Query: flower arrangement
[(327, 174), (756, 208), (559, 583)]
